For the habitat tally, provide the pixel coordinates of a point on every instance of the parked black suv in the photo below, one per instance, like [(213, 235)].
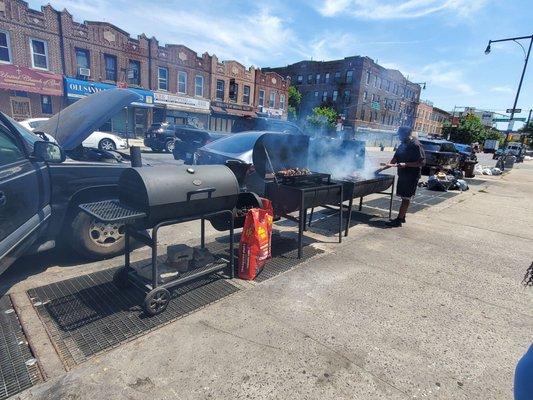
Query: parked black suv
[(440, 155), (42, 183)]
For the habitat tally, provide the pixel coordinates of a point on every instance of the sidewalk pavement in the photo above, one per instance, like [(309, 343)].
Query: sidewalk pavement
[(432, 310)]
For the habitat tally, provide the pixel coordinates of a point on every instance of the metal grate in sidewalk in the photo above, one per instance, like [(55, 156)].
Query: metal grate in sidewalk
[(89, 314), (18, 367)]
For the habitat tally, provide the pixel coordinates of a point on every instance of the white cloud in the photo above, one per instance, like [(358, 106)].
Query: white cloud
[(397, 9), (256, 36), (501, 89)]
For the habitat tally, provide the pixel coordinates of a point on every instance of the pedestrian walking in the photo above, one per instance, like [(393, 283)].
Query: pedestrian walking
[(409, 158)]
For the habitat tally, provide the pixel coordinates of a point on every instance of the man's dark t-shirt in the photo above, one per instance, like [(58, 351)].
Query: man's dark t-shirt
[(409, 151)]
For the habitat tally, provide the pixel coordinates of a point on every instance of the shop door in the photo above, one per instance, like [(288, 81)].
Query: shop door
[(140, 121)]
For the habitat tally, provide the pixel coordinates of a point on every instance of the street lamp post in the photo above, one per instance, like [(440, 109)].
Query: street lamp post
[(487, 51)]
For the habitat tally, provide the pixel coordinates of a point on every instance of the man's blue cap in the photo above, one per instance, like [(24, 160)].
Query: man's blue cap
[(404, 131)]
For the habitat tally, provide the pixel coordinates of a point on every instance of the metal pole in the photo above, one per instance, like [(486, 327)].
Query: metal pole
[(517, 94)]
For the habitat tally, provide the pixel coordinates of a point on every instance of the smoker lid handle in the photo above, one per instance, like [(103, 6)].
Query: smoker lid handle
[(208, 190)]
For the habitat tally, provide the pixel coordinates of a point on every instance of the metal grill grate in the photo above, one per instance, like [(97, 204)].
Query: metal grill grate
[(88, 314), (111, 211), (18, 367)]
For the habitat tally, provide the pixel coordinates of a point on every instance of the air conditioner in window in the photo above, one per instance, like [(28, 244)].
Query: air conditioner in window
[(84, 72)]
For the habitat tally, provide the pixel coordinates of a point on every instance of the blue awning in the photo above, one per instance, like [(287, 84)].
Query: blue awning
[(77, 89)]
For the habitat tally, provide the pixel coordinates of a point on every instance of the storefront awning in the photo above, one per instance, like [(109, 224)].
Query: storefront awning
[(77, 89), (13, 77), (235, 112)]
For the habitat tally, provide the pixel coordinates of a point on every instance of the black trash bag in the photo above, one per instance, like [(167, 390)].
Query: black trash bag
[(436, 184), (457, 173)]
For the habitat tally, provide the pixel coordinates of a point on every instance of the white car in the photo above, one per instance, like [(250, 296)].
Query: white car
[(97, 139)]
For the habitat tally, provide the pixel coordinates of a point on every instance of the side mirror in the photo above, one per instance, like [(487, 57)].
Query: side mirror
[(48, 152)]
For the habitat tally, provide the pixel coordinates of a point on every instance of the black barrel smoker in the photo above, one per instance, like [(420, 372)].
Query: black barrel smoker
[(154, 197)]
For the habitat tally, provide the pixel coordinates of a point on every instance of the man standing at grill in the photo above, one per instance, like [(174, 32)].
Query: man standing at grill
[(409, 158)]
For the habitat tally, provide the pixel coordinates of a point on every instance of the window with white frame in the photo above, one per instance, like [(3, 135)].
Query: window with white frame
[(261, 97), (199, 85), (220, 90), (162, 78), (246, 94), (335, 95), (39, 53), (325, 96), (5, 47), (282, 101), (272, 99), (182, 82)]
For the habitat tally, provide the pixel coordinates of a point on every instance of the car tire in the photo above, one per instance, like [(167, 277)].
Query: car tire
[(86, 239), (169, 146), (107, 144)]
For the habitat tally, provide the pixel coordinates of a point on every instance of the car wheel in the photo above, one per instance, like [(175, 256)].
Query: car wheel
[(169, 146), (94, 239), (107, 144)]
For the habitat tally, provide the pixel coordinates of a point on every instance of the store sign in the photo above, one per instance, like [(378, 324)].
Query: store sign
[(77, 89), (181, 101), (271, 111), (24, 79), (232, 106)]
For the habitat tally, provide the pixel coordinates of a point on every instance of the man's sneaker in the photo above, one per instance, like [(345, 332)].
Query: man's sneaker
[(394, 223)]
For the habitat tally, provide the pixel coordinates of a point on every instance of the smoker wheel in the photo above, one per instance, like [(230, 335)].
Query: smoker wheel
[(120, 278), (156, 301)]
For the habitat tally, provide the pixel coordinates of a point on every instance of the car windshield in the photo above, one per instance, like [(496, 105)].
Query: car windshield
[(430, 146), (238, 143)]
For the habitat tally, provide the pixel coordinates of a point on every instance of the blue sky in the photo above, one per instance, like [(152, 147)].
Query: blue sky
[(441, 42)]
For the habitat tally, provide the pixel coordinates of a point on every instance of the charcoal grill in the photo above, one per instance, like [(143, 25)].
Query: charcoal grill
[(154, 197), (355, 187), (288, 194)]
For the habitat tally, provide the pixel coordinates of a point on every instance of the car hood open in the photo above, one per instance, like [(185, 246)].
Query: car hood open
[(74, 124)]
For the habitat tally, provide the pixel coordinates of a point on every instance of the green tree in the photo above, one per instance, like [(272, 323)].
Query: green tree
[(323, 118), (295, 98), (470, 130)]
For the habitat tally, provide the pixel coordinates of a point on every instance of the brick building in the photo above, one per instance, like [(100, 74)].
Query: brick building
[(271, 94), (31, 71), (363, 92), (429, 119), (48, 60), (232, 93), (181, 84)]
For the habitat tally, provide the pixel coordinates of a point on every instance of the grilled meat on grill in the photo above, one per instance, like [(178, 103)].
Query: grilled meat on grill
[(294, 172)]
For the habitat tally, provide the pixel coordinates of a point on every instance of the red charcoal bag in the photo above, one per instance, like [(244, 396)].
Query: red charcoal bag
[(255, 244)]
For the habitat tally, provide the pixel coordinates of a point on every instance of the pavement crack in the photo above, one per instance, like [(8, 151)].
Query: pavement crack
[(208, 325)]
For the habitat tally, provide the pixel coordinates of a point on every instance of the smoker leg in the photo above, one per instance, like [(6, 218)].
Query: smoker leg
[(360, 204), (349, 219), (127, 247), (231, 247), (311, 216), (202, 233), (300, 230), (305, 220), (155, 272)]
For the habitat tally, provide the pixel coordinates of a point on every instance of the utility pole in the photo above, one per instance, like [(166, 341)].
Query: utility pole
[(487, 51)]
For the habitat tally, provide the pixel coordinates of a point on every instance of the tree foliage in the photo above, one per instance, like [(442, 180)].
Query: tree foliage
[(323, 117), (470, 130), (528, 130), (295, 98)]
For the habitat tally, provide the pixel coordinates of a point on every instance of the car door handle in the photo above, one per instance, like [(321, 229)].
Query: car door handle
[(3, 199)]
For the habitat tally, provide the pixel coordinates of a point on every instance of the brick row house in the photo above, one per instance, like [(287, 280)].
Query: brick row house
[(362, 91), (48, 60), (430, 119)]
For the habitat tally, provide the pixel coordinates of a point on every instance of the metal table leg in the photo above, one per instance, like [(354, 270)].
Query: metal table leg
[(231, 247), (127, 247), (349, 219), (360, 203), (340, 216), (202, 233), (300, 227)]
